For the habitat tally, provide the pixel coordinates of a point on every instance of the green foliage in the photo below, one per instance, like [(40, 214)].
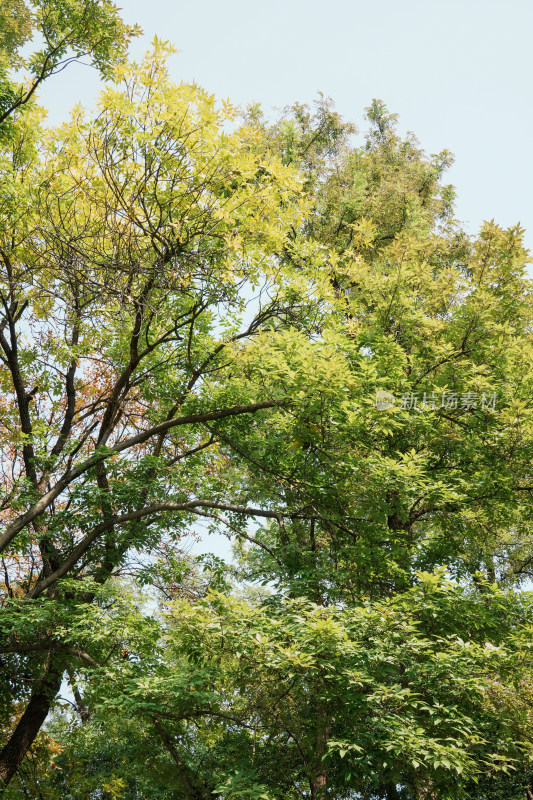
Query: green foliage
[(198, 313), (65, 31)]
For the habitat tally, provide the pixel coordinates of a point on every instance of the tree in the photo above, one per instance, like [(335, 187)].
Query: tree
[(290, 697), (418, 693), (442, 477), (425, 314), (127, 243)]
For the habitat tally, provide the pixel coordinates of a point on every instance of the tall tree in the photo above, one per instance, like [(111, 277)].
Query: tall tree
[(128, 244)]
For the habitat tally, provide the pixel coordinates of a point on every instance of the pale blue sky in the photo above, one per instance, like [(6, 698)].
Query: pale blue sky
[(458, 73)]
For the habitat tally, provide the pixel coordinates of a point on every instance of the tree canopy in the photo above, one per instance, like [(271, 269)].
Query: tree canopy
[(273, 331)]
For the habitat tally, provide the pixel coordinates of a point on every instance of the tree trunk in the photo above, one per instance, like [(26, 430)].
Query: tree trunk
[(29, 724), (320, 777), (319, 786), (423, 791), (192, 790)]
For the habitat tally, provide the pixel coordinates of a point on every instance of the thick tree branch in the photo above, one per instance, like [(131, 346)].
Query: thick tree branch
[(119, 519), (191, 419)]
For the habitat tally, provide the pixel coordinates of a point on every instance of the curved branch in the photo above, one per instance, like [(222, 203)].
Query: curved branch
[(24, 519), (49, 646), (119, 519)]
